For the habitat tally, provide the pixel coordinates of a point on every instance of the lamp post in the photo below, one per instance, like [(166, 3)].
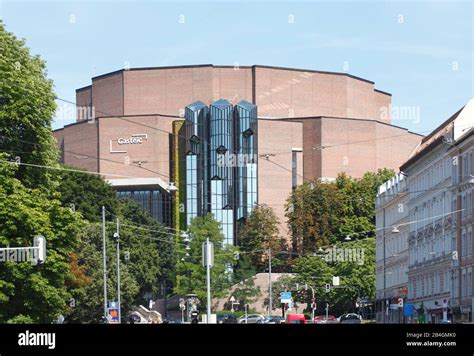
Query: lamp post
[(270, 296), (117, 237), (104, 263)]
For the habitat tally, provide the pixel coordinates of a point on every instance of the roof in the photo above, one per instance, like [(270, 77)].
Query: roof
[(231, 66), (432, 140)]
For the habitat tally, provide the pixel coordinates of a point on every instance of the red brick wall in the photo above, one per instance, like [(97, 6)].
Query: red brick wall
[(155, 150), (274, 176), (79, 142)]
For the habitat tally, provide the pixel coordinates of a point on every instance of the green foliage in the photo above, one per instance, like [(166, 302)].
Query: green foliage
[(357, 277), (34, 293), (259, 234), (87, 192), (322, 213), (283, 284), (246, 291), (191, 275), (26, 110), (139, 269)]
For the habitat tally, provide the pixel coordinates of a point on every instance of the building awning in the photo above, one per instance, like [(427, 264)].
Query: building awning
[(139, 183)]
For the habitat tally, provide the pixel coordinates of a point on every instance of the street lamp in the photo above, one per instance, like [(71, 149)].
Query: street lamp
[(348, 238), (171, 188), (395, 230)]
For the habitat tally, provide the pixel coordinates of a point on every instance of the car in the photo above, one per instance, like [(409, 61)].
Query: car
[(274, 320), (172, 321), (321, 319), (252, 319), (226, 319), (350, 318), (295, 319)]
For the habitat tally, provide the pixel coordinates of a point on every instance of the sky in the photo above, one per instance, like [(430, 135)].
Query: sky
[(419, 51)]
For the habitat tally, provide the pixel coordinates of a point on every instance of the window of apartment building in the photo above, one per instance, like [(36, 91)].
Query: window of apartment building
[(454, 169), (463, 243), (436, 283), (447, 167), (455, 285), (469, 204), (432, 284), (447, 281), (447, 242), (464, 283), (469, 241), (469, 291), (463, 206)]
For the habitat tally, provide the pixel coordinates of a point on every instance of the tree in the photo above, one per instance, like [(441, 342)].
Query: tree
[(246, 291), (34, 294), (139, 270), (283, 284), (357, 274), (259, 234), (322, 213), (26, 110), (87, 303), (87, 193), (191, 275), (313, 210), (164, 239)]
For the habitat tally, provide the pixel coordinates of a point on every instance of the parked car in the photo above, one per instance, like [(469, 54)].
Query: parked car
[(321, 319), (274, 320), (170, 320), (252, 319), (350, 318), (226, 319), (295, 319)]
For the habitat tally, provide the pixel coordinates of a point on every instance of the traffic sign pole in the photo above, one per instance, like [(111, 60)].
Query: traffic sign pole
[(104, 262), (208, 258)]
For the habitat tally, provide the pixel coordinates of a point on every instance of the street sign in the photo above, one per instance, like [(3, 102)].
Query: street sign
[(285, 297), (40, 243), (112, 304), (112, 315), (335, 280), (208, 254), (232, 299), (408, 310)]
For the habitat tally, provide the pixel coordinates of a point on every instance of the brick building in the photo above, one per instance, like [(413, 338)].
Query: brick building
[(311, 124)]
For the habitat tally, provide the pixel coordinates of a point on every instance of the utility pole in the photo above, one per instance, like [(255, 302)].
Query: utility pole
[(270, 306), (384, 274), (118, 272), (208, 278), (104, 262)]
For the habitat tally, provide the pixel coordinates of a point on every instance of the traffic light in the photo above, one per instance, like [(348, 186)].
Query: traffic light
[(328, 287)]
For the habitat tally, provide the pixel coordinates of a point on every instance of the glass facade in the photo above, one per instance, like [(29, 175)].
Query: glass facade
[(221, 162), (154, 201), (196, 131)]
